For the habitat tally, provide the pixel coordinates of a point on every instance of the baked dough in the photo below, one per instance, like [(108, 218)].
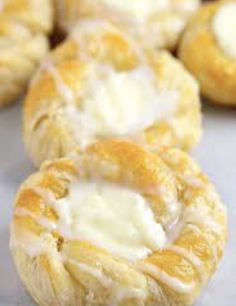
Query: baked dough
[(118, 225), (208, 49), (24, 25), (157, 23), (85, 92)]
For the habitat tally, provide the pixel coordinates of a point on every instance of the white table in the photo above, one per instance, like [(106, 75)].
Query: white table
[(216, 154)]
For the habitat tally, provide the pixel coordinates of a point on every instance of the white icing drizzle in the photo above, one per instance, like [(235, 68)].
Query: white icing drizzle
[(125, 292), (174, 230), (81, 125), (172, 282), (212, 247), (34, 246), (195, 261), (79, 161), (214, 198), (63, 89), (172, 204), (31, 244), (192, 181), (45, 222), (193, 218), (196, 216), (96, 273), (118, 292), (49, 199), (47, 195)]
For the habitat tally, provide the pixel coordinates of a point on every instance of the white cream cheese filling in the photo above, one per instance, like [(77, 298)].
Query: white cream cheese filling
[(124, 103), (112, 217), (140, 9), (114, 103), (224, 28)]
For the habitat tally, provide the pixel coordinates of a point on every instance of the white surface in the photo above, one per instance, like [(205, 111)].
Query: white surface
[(216, 154)]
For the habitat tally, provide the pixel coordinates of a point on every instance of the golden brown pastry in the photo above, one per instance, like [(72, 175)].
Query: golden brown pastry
[(208, 49), (118, 225), (24, 25), (86, 92), (158, 23)]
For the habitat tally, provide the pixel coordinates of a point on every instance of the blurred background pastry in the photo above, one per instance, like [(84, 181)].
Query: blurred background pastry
[(208, 49), (155, 23), (24, 26)]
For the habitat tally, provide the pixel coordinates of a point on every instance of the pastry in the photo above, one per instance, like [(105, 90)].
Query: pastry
[(24, 25), (85, 92), (118, 225), (208, 50), (157, 23)]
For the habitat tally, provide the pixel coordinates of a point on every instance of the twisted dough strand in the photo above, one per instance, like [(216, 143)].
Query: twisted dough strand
[(24, 26)]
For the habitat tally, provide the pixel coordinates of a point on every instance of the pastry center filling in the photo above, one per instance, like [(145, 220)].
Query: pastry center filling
[(112, 217), (224, 27), (140, 9), (123, 103)]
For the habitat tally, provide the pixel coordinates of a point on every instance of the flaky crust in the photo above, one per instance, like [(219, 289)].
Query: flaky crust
[(50, 132), (202, 55), (161, 29), (24, 26), (65, 272)]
